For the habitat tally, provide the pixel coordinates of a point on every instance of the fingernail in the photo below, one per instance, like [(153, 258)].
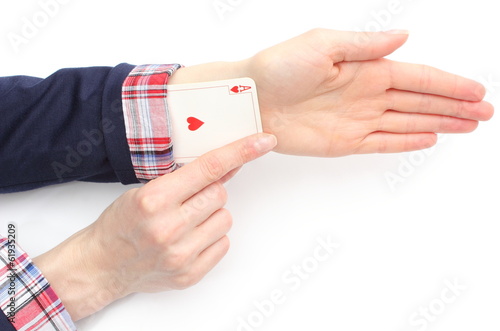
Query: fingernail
[(265, 143), (398, 31)]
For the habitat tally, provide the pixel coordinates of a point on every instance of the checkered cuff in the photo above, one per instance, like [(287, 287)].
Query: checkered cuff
[(26, 297), (147, 123)]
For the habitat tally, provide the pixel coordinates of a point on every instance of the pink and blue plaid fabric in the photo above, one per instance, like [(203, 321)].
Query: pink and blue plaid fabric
[(33, 305), (147, 123)]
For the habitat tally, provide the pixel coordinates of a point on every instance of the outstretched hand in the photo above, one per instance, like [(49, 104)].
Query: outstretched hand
[(330, 93)]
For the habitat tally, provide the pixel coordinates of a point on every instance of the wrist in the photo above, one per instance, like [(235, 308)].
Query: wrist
[(75, 274), (209, 72)]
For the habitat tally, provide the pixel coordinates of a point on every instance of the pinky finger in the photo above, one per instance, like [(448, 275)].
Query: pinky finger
[(384, 142)]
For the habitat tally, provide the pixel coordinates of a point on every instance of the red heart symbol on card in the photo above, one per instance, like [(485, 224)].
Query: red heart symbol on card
[(240, 88), (194, 123)]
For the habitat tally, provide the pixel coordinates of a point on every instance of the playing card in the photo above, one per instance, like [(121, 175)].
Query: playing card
[(206, 116)]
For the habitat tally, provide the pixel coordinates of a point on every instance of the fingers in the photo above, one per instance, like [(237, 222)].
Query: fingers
[(383, 142), (411, 102), (396, 122), (212, 230), (208, 244), (204, 203), (359, 46), (205, 262), (211, 256), (229, 175), (425, 79), (214, 165), (200, 206)]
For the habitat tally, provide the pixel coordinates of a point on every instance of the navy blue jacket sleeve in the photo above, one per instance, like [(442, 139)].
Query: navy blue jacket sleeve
[(5, 324), (66, 127)]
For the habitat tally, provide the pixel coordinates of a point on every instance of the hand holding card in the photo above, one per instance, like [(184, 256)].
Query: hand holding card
[(209, 115)]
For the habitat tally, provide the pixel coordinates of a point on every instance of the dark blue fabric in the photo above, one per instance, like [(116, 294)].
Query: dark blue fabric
[(66, 127), (5, 325)]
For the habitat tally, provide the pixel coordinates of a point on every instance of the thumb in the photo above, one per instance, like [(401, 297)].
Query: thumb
[(361, 46), (216, 165)]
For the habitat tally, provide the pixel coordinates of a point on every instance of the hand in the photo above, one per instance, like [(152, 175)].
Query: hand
[(165, 235), (329, 93)]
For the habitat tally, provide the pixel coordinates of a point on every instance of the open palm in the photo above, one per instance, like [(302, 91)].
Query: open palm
[(330, 93)]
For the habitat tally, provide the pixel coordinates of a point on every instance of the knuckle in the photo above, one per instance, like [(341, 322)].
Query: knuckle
[(340, 51), (226, 219), (390, 100), (213, 193), (389, 68), (217, 191), (171, 232), (188, 212), (222, 194), (178, 260), (222, 198), (425, 77), (454, 91), (245, 152), (156, 238), (163, 233), (380, 124), (146, 202), (460, 109), (186, 280), (225, 243), (211, 167), (198, 203)]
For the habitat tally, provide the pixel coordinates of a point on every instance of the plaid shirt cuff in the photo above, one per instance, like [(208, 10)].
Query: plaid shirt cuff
[(147, 124), (26, 297)]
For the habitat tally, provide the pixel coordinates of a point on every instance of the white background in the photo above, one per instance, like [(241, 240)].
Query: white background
[(398, 247)]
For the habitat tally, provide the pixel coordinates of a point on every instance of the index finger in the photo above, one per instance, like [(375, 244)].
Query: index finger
[(424, 79), (214, 165)]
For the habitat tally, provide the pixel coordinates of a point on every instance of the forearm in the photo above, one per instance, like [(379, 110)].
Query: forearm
[(78, 276)]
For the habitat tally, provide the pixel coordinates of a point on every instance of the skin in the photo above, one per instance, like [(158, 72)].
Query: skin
[(318, 95), (163, 236), (325, 93)]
